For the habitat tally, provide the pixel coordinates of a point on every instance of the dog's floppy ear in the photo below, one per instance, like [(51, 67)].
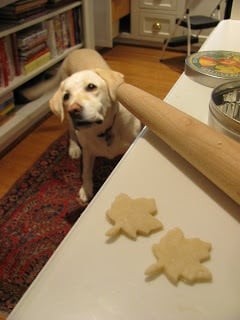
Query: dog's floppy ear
[(56, 104), (113, 80)]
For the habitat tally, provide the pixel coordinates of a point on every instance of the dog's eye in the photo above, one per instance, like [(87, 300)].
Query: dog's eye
[(66, 96), (91, 87)]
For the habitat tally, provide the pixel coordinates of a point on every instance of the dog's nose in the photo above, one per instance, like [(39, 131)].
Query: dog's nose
[(74, 107)]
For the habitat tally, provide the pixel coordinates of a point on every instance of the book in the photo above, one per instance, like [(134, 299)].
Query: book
[(6, 103), (51, 37), (6, 61), (18, 16), (1, 76), (22, 6), (5, 98), (15, 54), (27, 54), (77, 24), (4, 114), (9, 108), (31, 37), (70, 27), (36, 55), (58, 34), (13, 20), (65, 39), (61, 32), (9, 57), (4, 64), (36, 63)]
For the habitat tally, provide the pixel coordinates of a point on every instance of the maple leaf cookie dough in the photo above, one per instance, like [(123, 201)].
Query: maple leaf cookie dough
[(132, 216), (180, 258)]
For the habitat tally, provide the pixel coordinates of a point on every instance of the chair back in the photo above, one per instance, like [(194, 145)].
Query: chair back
[(204, 7)]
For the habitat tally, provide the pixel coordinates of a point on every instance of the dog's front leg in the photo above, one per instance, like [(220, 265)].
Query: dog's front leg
[(86, 190), (74, 149)]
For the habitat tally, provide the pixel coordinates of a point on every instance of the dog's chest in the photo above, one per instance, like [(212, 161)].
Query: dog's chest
[(107, 136), (105, 143)]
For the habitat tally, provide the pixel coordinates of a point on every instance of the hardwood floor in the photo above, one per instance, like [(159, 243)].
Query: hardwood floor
[(141, 68)]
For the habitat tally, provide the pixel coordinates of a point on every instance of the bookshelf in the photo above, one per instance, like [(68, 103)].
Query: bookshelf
[(24, 117)]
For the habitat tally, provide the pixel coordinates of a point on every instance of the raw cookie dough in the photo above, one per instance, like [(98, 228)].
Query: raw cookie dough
[(132, 216), (180, 258)]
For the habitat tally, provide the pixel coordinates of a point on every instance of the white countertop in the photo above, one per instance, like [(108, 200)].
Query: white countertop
[(89, 278)]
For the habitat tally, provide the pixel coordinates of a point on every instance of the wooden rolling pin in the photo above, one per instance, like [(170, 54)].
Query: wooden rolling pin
[(212, 153)]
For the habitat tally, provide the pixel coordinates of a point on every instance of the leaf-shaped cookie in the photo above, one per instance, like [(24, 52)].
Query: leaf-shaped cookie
[(179, 258), (132, 216)]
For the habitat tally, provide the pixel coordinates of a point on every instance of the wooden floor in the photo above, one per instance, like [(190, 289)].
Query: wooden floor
[(141, 68)]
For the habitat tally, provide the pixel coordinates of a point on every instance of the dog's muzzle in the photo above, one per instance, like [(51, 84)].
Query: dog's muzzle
[(78, 119)]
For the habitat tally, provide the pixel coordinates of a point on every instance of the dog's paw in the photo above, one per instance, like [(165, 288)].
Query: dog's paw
[(83, 195), (74, 150)]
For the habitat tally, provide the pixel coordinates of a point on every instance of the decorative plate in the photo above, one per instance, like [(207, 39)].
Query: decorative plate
[(212, 68)]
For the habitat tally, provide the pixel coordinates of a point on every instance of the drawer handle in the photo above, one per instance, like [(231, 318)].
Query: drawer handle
[(156, 26)]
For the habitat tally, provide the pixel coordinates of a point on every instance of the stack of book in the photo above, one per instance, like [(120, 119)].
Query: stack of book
[(6, 104), (21, 10), (32, 47)]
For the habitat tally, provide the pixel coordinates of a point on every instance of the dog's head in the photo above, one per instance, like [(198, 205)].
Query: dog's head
[(86, 96)]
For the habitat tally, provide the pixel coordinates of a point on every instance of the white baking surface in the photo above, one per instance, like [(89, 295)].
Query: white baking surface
[(90, 278)]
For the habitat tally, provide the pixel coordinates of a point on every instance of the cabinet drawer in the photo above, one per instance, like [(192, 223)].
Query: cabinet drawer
[(154, 25), (168, 5)]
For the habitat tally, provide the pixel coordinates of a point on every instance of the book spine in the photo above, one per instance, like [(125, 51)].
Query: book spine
[(70, 27), (58, 34), (4, 63), (65, 38), (9, 57), (77, 24), (51, 39), (15, 54), (1, 74)]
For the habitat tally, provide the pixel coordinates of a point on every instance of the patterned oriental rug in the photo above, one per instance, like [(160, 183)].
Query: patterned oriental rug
[(37, 213)]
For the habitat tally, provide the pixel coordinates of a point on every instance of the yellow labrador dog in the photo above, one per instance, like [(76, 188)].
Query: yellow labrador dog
[(99, 124)]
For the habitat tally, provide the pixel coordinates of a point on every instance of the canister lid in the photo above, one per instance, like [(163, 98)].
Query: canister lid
[(212, 68)]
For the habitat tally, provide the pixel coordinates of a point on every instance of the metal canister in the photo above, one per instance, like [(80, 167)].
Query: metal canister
[(224, 109)]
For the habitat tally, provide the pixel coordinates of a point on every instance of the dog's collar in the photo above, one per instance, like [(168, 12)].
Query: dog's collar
[(107, 135)]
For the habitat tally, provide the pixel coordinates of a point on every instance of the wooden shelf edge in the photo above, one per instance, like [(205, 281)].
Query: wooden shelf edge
[(23, 120)]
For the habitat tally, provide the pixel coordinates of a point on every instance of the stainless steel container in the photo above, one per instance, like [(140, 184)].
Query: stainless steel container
[(224, 109)]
